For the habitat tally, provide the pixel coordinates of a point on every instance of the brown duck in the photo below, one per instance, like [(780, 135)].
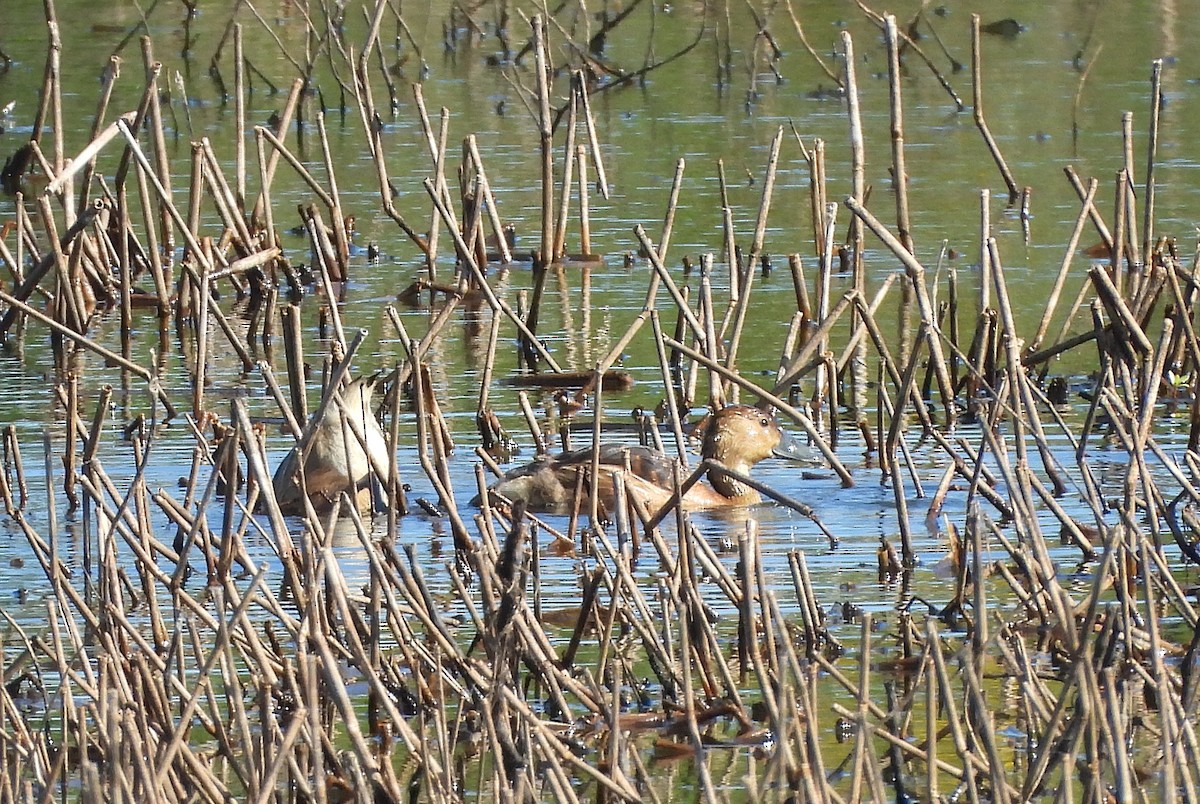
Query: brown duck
[(738, 436)]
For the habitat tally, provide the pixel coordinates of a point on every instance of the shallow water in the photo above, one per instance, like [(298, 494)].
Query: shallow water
[(1030, 84)]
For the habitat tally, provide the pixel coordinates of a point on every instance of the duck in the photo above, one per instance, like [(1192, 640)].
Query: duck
[(332, 458), (737, 436)]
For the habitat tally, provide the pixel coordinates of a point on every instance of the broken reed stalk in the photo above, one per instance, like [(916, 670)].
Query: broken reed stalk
[(1152, 152), (485, 189), (545, 134), (303, 655), (262, 204), (896, 105), (338, 224), (439, 173), (985, 232), (756, 247), (1014, 191), (672, 205), (160, 272), (1061, 278), (768, 186), (672, 401), (201, 353), (1024, 403), (857, 336), (1093, 214), (824, 278), (585, 219), (858, 183), (707, 317), (1127, 199), (916, 274), (819, 201), (594, 143), (568, 177), (50, 99), (239, 116)]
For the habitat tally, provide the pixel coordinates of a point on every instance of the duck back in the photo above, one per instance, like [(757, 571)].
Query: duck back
[(737, 437), (333, 459)]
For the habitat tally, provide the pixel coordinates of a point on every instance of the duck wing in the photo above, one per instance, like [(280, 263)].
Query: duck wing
[(649, 464), (548, 483), (645, 462)]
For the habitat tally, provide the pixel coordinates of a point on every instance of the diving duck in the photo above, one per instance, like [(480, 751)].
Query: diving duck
[(738, 436), (334, 460)]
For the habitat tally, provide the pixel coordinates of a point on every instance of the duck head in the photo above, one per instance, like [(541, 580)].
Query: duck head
[(739, 436)]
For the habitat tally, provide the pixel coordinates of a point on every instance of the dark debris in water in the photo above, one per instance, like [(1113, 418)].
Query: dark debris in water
[(1007, 28)]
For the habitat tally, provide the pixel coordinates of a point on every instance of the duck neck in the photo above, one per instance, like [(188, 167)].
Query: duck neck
[(736, 491)]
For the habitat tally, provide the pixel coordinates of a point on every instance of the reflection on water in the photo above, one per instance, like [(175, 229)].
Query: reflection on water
[(645, 132), (1031, 86)]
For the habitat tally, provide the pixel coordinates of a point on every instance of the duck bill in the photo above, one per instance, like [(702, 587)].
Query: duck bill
[(790, 449)]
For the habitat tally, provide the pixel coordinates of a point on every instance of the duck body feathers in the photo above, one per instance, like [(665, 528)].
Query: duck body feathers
[(548, 484), (737, 436)]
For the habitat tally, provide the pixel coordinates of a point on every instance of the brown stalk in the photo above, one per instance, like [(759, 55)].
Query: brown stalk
[(1014, 191)]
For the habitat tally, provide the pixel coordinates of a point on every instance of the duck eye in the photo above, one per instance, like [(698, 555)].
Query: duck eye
[(764, 421)]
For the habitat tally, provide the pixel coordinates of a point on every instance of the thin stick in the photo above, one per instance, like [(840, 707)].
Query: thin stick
[(585, 213), (486, 189), (594, 143), (239, 115), (1151, 154), (899, 170), (916, 274), (756, 246), (858, 188), (546, 134), (1061, 278), (672, 205), (1014, 191), (564, 201), (1128, 199)]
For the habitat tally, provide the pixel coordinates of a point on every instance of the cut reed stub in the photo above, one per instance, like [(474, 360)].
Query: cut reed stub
[(612, 380)]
